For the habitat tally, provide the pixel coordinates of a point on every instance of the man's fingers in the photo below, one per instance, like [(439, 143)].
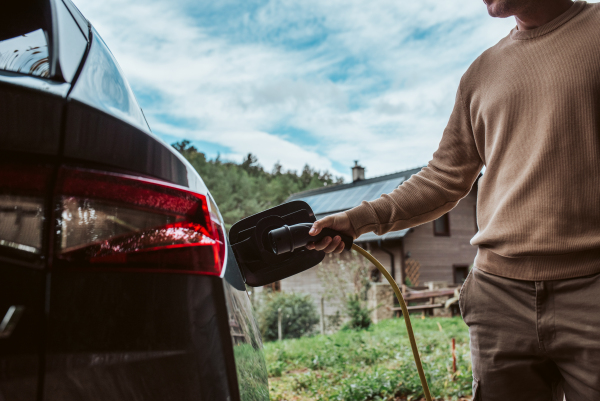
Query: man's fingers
[(324, 244), (333, 244), (321, 245)]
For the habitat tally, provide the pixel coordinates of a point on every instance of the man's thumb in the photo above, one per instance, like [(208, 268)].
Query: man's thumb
[(315, 229), (319, 225)]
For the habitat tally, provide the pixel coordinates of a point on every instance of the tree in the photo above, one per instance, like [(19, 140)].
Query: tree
[(244, 189)]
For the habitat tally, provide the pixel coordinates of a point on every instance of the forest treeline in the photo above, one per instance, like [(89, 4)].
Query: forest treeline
[(247, 188)]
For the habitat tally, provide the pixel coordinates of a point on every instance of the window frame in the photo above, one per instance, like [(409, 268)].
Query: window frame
[(275, 286), (446, 233), (457, 266)]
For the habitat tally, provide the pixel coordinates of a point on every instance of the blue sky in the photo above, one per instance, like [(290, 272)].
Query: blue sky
[(304, 81)]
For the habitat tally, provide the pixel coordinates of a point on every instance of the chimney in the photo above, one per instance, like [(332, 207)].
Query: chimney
[(358, 172)]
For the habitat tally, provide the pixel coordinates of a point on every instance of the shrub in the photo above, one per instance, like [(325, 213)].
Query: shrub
[(298, 315), (333, 322), (360, 316)]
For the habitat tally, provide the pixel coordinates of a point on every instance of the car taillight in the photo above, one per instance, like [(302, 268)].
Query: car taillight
[(22, 191), (116, 221)]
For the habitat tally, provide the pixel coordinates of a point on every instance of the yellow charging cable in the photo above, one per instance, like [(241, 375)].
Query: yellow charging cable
[(411, 335)]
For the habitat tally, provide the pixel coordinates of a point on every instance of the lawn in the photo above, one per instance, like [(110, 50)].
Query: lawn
[(373, 364)]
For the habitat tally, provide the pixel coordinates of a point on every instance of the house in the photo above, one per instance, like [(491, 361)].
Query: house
[(437, 251)]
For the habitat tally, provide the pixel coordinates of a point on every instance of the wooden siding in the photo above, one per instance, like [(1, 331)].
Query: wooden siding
[(437, 255)]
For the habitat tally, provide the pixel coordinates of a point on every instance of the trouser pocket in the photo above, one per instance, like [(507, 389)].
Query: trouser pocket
[(463, 294), (476, 391)]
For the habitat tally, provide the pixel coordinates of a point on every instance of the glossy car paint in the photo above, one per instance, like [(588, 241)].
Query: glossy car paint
[(112, 335), (99, 104), (22, 282)]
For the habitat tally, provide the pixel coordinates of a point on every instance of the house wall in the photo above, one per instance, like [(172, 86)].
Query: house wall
[(437, 255)]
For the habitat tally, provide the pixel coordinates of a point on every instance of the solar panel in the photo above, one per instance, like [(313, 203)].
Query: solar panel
[(350, 197)]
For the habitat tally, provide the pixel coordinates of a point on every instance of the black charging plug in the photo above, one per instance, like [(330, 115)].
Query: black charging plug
[(288, 238)]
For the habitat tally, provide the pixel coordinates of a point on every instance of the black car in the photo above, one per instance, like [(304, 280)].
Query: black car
[(117, 280)]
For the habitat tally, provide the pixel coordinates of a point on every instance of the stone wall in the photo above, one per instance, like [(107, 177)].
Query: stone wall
[(380, 301)]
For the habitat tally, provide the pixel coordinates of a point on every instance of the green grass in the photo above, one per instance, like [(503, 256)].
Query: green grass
[(250, 364), (374, 364)]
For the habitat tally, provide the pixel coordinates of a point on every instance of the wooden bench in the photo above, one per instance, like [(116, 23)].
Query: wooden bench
[(421, 295), (424, 295), (424, 307)]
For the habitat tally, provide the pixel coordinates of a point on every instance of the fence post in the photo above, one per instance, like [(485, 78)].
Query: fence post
[(279, 335), (322, 315), (453, 355)]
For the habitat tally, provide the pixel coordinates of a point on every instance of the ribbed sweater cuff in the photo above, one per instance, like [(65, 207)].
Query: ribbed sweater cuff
[(363, 219), (539, 268)]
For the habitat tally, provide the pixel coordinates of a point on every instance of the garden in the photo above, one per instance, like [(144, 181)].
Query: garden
[(359, 360), (372, 364)]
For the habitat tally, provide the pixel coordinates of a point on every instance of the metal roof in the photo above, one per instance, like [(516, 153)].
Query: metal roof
[(336, 198), (328, 200)]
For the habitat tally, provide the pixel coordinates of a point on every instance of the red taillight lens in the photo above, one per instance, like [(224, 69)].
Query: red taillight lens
[(118, 221)]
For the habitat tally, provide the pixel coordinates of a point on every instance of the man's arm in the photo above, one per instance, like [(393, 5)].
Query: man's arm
[(427, 195)]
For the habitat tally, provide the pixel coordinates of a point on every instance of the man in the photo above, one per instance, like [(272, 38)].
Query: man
[(529, 110)]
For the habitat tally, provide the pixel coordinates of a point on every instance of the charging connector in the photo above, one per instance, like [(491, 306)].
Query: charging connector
[(288, 238), (411, 335)]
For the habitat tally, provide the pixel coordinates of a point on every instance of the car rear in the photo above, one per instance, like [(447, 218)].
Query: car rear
[(117, 280)]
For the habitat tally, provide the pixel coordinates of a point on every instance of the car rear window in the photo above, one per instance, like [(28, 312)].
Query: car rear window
[(23, 37), (27, 54)]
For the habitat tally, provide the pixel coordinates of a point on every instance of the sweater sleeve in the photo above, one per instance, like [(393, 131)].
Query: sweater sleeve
[(433, 191)]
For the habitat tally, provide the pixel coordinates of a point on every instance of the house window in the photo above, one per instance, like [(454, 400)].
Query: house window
[(441, 226), (274, 287), (460, 273)]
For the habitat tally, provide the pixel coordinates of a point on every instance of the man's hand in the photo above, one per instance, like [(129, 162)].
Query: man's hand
[(338, 222)]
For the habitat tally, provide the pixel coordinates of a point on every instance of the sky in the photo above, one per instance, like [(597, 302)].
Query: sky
[(323, 82)]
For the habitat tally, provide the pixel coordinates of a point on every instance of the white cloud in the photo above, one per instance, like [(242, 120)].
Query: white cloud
[(372, 80), (269, 149)]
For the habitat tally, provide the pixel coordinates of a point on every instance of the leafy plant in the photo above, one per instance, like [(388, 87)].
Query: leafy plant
[(298, 315), (360, 316), (334, 321)]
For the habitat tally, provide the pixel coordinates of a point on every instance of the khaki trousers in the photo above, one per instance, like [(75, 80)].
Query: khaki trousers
[(533, 340)]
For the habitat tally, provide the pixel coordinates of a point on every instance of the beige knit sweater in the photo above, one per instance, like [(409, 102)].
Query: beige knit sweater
[(529, 110)]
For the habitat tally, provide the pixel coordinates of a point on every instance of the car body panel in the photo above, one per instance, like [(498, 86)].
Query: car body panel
[(250, 363), (95, 136), (24, 186), (21, 287), (30, 120), (135, 336)]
